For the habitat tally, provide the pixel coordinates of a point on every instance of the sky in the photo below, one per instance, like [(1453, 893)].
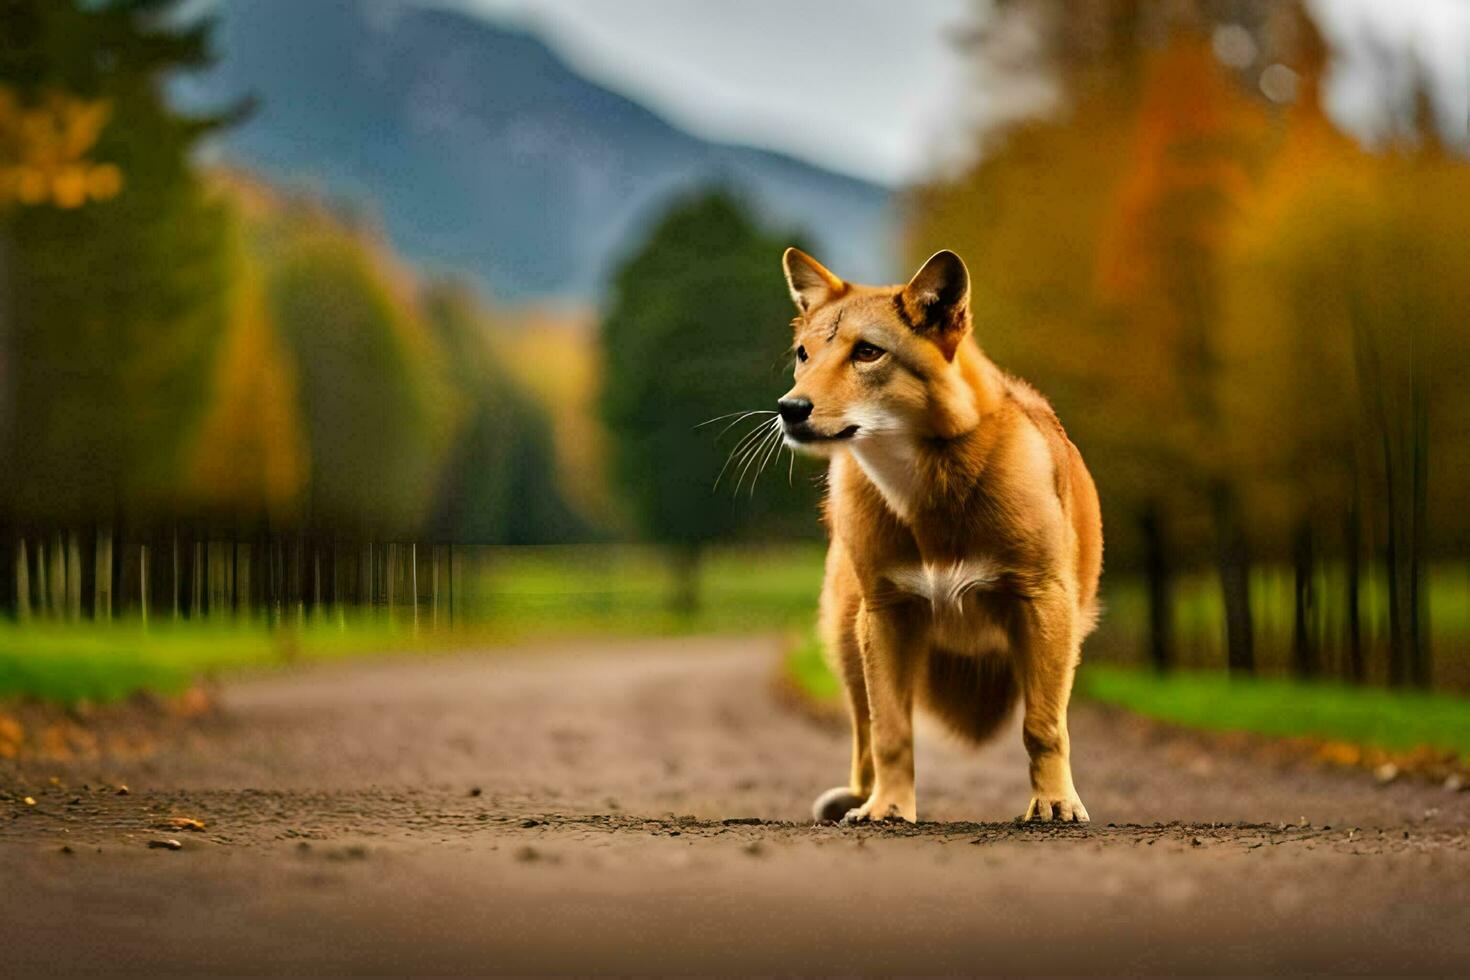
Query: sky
[(878, 88)]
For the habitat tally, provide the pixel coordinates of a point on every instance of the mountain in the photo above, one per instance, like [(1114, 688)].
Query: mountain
[(483, 152)]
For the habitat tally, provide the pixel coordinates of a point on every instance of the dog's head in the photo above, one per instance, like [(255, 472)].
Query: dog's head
[(876, 360)]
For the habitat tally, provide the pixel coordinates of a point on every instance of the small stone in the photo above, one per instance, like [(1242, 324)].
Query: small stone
[(123, 790), (1386, 773), (475, 791), (66, 849), (530, 822), (29, 801), (1455, 783), (1196, 842), (165, 844)]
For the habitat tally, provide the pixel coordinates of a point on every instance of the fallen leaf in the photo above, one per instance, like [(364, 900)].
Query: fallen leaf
[(181, 823)]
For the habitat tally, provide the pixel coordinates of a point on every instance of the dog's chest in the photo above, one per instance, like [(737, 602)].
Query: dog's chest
[(961, 602)]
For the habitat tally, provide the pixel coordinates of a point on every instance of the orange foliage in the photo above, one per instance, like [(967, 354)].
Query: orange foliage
[(43, 152), (251, 451)]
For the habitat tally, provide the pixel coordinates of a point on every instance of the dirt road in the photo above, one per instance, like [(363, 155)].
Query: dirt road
[(641, 807)]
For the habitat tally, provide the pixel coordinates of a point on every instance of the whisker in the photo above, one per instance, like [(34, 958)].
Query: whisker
[(758, 411), (743, 417), (770, 454), (736, 450), (751, 455), (751, 442)]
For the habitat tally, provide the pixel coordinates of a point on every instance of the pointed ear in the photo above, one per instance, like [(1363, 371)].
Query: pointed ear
[(936, 302), (810, 282)]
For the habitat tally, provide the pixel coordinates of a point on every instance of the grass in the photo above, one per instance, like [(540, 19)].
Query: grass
[(69, 663), (506, 595), (1366, 716), (520, 594), (808, 670), (1363, 716)]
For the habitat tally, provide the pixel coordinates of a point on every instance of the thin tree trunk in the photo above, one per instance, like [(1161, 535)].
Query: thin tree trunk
[(56, 577), (143, 582), (1234, 572), (1304, 606), (390, 568), (1160, 589), (22, 582), (9, 537), (115, 546), (73, 577), (1418, 572), (413, 564), (87, 577), (684, 569), (43, 593), (1354, 545)]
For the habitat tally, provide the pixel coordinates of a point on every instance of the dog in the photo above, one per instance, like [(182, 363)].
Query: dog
[(965, 532)]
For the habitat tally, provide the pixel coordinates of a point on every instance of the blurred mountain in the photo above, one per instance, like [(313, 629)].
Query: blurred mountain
[(481, 151)]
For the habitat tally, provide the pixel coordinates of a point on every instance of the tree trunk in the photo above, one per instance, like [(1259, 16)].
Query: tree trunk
[(1354, 571), (9, 539), (1158, 573), (22, 582), (684, 569), (87, 580), (1234, 572), (1418, 572), (1304, 617)]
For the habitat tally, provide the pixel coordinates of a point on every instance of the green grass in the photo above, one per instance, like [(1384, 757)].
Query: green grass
[(68, 663), (504, 595), (1366, 716), (1363, 716), (531, 592), (806, 668)]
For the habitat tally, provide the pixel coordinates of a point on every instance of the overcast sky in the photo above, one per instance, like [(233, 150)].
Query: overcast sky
[(870, 86)]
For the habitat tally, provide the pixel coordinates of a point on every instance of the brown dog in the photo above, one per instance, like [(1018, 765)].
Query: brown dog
[(966, 536)]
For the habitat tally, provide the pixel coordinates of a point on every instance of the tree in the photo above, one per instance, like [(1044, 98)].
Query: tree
[(698, 321), (500, 485)]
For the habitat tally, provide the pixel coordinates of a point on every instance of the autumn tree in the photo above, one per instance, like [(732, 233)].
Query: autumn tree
[(113, 259)]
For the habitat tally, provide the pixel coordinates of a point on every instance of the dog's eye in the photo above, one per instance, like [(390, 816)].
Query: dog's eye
[(801, 353), (866, 353)]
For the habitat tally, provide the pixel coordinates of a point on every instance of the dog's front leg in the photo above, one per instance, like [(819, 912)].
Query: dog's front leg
[(886, 641), (1047, 667)]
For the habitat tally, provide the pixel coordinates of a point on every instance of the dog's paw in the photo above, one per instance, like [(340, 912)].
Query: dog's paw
[(878, 810), (1063, 809), (834, 804)]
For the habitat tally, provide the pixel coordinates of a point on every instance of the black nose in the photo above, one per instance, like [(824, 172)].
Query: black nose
[(794, 411)]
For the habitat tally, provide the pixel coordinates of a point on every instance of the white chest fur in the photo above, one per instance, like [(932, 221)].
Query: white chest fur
[(955, 625), (891, 463), (946, 585)]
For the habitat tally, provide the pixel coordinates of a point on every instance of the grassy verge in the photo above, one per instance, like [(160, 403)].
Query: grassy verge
[(68, 663), (1396, 721), (806, 668), (1365, 716), (505, 595)]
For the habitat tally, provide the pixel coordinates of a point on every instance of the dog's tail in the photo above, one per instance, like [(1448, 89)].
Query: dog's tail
[(973, 696)]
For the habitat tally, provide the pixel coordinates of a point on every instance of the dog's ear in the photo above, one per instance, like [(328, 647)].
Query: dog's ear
[(810, 282), (936, 302)]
